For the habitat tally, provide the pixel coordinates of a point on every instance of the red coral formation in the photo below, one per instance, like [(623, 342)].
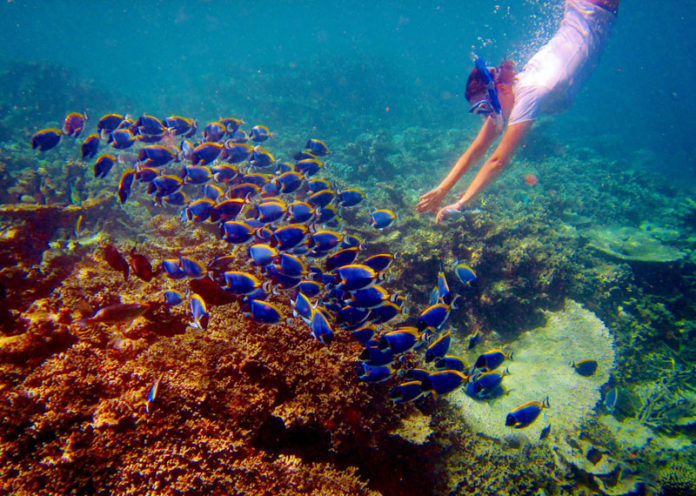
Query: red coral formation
[(242, 408)]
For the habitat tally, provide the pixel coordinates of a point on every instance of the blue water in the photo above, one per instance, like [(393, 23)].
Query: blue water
[(411, 57)]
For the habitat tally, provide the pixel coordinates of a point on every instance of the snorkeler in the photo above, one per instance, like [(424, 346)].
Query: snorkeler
[(510, 101)]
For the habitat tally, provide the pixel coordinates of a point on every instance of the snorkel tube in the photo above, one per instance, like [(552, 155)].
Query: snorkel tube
[(490, 84)]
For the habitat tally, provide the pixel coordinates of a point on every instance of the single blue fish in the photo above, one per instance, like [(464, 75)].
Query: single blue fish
[(125, 184), (373, 355), (213, 192), (526, 414), (291, 266), (238, 152), (289, 182), (196, 174), (473, 340), (363, 334), (304, 154), (492, 359), (309, 288), (157, 155), (322, 198), (264, 312), (373, 373), (317, 184), (464, 273), (152, 395), (385, 312), (434, 316), (321, 326), (288, 237), (191, 268), (406, 391), (103, 165), (173, 298), (199, 314), (545, 432), (485, 384), (450, 362), (268, 211), (350, 197), (308, 166), (261, 157), (259, 133), (350, 240), (121, 139), (206, 153), (438, 348), (420, 375), (317, 147), (180, 126), (379, 262), (236, 232), (445, 381), (146, 174), (261, 254), (370, 297), (381, 219), (109, 123), (224, 173), (214, 132), (231, 124), (611, 399), (302, 308), (342, 257), (227, 210), (444, 294), (355, 276), (283, 167), (199, 210), (239, 136), (148, 124), (244, 191), (172, 269), (240, 283), (45, 139), (327, 215), (585, 368), (352, 316), (89, 146), (300, 212), (164, 185), (399, 340)]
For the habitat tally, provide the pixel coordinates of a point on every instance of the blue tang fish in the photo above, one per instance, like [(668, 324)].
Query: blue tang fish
[(399, 340), (89, 146), (241, 283), (525, 415), (317, 147), (445, 381), (125, 184), (464, 273), (492, 359), (191, 268), (450, 362), (199, 314), (152, 395), (438, 348), (45, 139), (173, 298), (321, 327), (264, 312), (585, 368), (355, 276), (406, 391), (373, 373), (381, 219)]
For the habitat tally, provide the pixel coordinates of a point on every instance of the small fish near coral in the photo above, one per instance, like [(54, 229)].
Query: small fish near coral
[(524, 415)]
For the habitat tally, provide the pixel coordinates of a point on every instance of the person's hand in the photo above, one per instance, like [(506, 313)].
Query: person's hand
[(447, 212), (431, 200)]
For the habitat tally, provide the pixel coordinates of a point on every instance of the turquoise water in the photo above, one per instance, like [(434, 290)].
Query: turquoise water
[(160, 56), (383, 84)]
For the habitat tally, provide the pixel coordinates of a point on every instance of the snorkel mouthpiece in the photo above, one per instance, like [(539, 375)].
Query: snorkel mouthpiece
[(492, 103)]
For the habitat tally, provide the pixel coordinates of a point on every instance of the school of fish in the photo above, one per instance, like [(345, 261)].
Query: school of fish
[(288, 222)]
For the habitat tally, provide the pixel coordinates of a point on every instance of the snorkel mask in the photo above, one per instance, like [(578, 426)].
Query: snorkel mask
[(490, 105)]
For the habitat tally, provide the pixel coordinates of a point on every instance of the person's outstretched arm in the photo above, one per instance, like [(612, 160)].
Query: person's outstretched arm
[(432, 199), (496, 163)]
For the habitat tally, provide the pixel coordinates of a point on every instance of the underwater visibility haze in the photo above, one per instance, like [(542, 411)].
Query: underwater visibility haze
[(213, 279)]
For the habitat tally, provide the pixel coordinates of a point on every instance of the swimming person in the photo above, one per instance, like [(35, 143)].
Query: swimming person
[(511, 102)]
